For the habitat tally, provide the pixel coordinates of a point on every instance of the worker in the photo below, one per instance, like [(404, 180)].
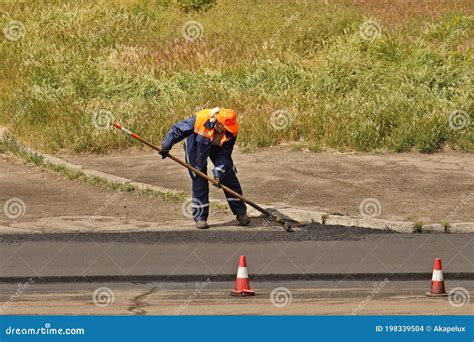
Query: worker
[(210, 133)]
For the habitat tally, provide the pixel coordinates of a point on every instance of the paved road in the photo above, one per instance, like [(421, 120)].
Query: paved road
[(192, 273), (213, 298), (157, 257)]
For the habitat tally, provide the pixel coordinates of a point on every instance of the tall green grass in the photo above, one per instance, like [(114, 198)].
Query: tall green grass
[(305, 58)]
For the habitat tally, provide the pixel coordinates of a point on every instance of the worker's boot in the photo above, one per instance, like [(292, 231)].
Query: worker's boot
[(201, 224), (243, 219)]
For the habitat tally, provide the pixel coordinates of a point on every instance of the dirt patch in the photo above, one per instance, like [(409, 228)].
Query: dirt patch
[(37, 195), (408, 186)]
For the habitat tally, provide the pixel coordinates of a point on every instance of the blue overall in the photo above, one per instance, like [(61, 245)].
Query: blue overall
[(197, 149)]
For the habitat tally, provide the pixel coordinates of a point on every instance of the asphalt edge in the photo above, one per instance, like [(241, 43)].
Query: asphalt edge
[(185, 278)]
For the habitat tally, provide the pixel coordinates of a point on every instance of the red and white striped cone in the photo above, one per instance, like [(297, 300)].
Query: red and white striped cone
[(437, 281), (242, 283)]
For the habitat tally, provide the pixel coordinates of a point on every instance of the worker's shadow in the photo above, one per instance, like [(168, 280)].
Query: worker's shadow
[(259, 221)]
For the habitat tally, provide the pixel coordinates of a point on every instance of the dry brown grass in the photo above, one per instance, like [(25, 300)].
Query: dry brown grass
[(395, 13)]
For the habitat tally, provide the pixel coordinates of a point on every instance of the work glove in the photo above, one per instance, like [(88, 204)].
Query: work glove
[(164, 152), (213, 114), (218, 185)]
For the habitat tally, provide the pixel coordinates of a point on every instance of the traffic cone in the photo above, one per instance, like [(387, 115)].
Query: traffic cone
[(242, 284), (437, 281)]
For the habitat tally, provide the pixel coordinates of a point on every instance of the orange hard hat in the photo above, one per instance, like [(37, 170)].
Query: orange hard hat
[(228, 118)]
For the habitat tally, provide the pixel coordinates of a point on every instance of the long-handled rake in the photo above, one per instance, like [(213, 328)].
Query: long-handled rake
[(269, 215)]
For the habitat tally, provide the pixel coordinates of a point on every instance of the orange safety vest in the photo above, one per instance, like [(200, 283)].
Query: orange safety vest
[(202, 117)]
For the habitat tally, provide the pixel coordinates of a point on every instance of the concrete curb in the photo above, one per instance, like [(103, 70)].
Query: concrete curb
[(105, 176), (299, 214)]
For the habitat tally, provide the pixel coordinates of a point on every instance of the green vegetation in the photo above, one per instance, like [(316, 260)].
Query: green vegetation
[(194, 5), (418, 227), (67, 67), (446, 226), (324, 218)]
